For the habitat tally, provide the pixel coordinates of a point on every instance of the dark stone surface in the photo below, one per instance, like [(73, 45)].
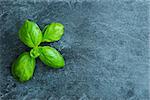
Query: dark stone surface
[(105, 47)]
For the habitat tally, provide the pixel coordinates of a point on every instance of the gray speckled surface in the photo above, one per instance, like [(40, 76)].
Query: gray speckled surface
[(105, 46)]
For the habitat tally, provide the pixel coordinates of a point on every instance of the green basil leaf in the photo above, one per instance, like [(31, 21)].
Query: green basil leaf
[(53, 32), (23, 68), (30, 34), (34, 53), (51, 57)]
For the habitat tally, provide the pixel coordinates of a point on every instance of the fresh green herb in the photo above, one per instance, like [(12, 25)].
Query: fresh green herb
[(31, 35)]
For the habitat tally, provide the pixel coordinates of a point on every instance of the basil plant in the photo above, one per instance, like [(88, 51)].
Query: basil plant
[(30, 34)]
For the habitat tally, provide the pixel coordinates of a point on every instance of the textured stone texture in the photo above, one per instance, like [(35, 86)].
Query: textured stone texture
[(105, 47)]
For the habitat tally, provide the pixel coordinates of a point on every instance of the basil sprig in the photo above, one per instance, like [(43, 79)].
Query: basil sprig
[(31, 35)]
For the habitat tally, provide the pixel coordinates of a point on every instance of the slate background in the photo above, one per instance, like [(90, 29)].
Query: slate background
[(105, 46)]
